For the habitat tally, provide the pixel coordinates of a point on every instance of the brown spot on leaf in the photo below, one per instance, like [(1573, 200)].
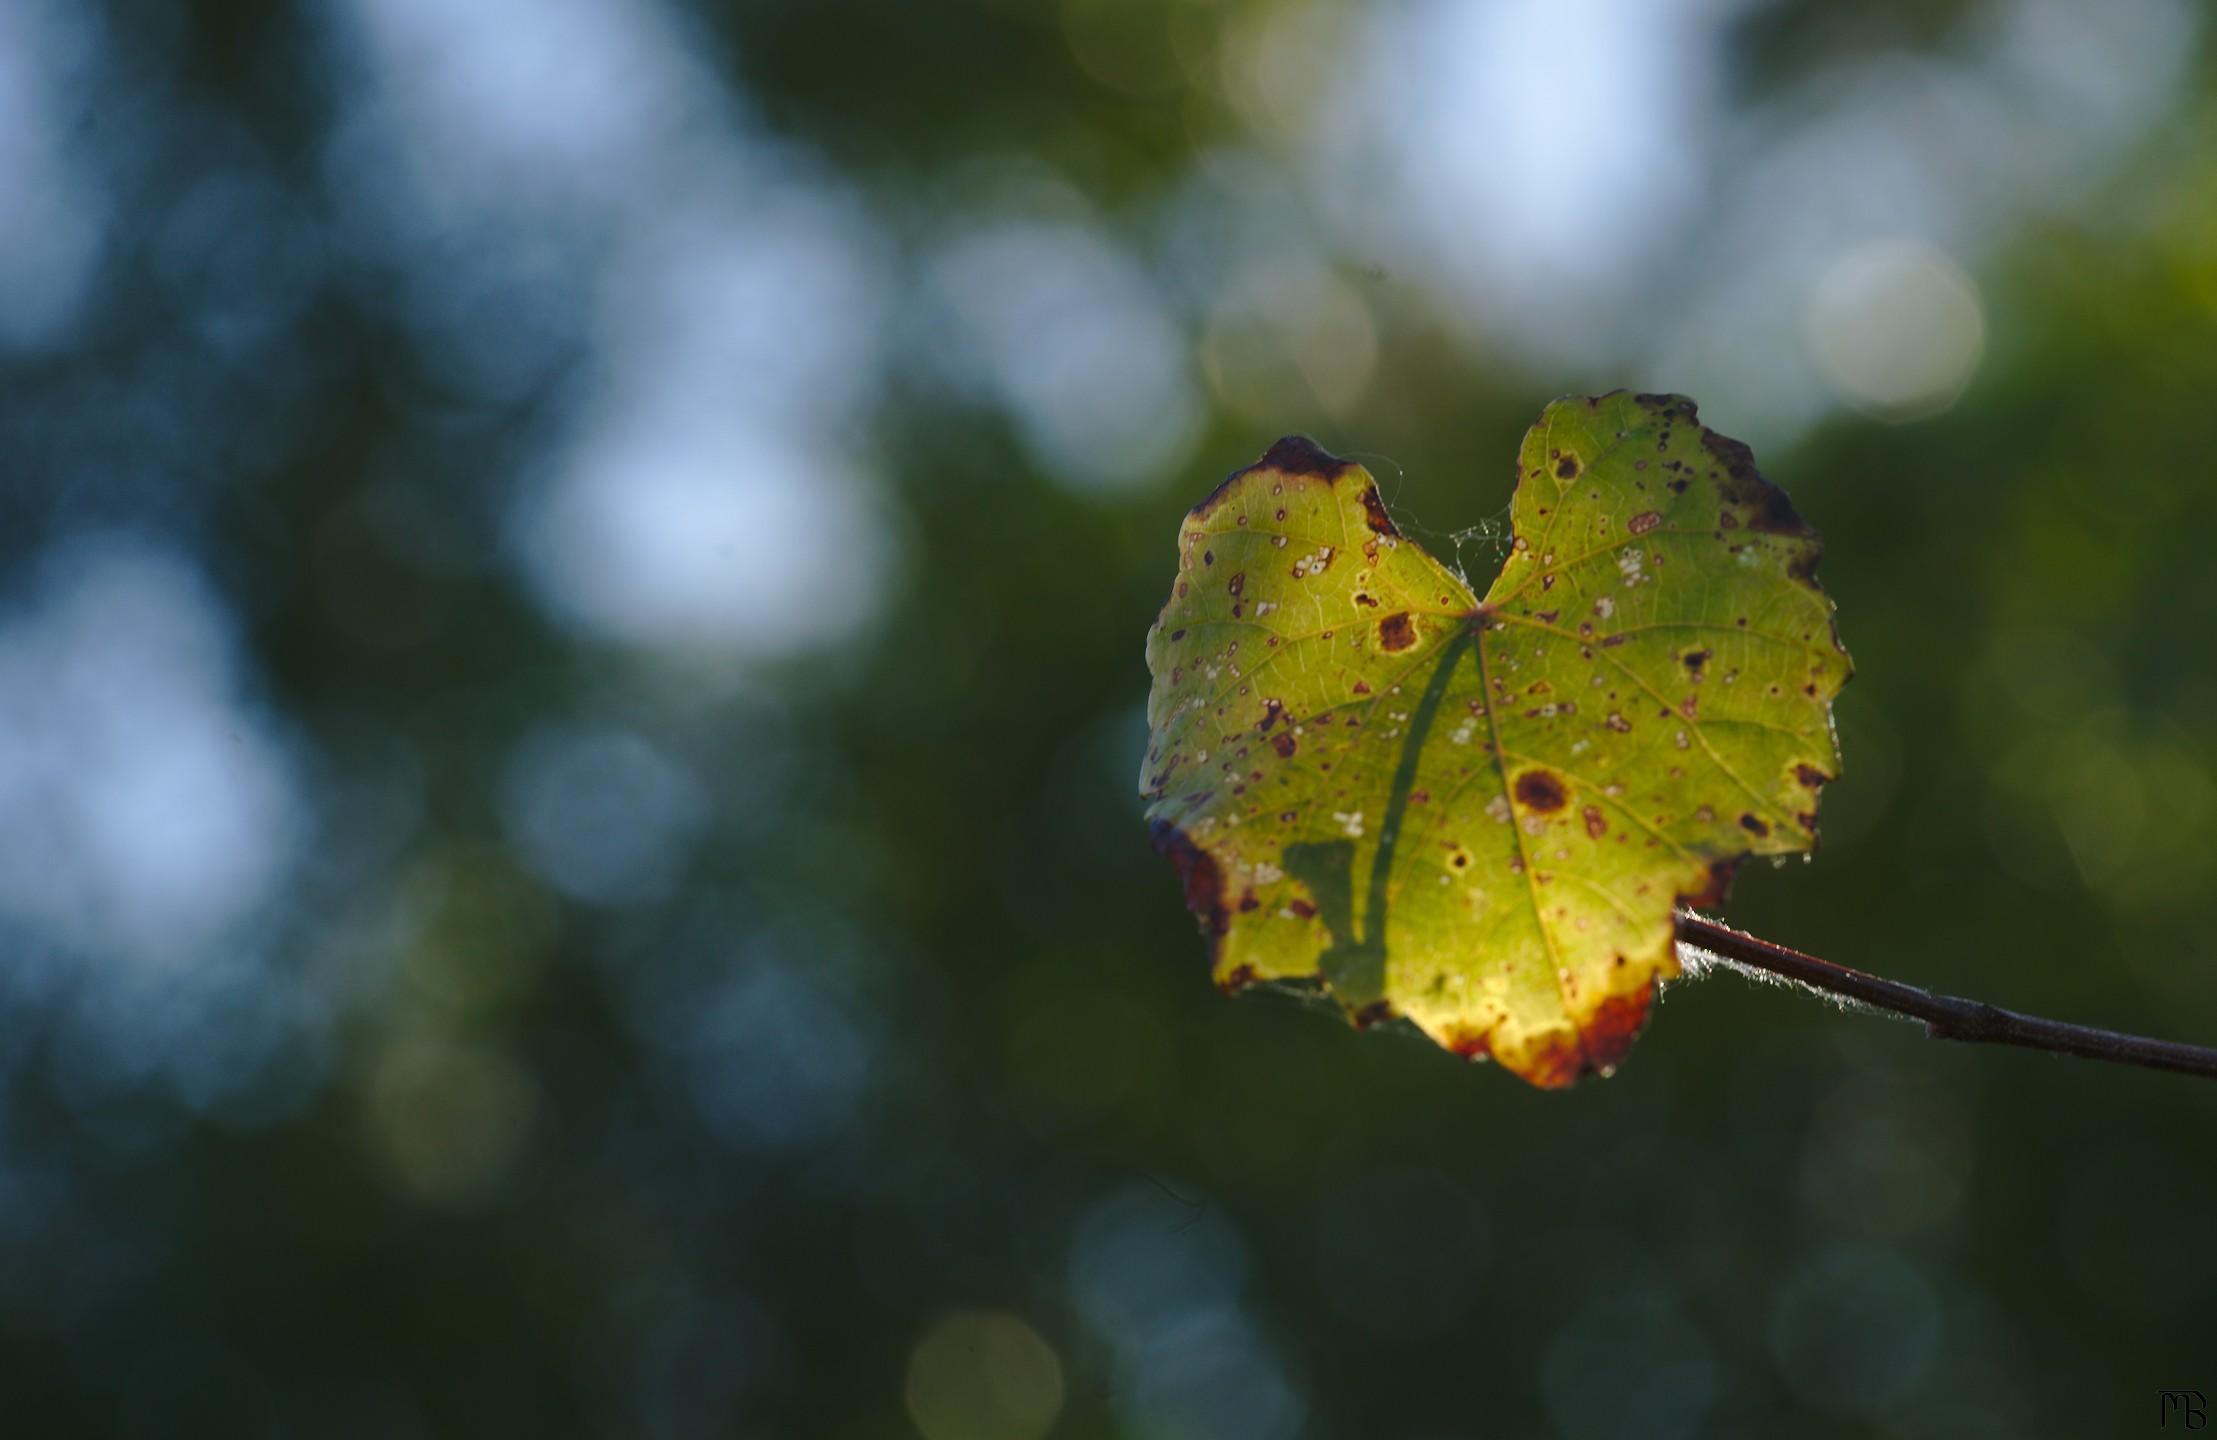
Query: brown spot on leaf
[(1362, 688), (1717, 886), (1609, 1034), (1567, 468), (1237, 979), (1541, 790), (1377, 1012), (1754, 825), (1202, 877), (1374, 512), (1470, 1043), (1395, 632), (1694, 660), (1767, 507), (1302, 908), (1643, 522), (1237, 583), (1284, 744), (1597, 824), (1810, 775), (1247, 900), (1362, 599), (1556, 1062)]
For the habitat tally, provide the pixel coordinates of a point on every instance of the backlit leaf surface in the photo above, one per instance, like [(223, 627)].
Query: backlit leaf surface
[(1481, 814)]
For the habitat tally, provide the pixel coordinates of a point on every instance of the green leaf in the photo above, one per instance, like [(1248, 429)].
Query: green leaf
[(1481, 815)]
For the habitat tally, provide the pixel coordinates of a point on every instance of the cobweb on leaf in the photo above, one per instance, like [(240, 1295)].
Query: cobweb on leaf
[(1478, 550)]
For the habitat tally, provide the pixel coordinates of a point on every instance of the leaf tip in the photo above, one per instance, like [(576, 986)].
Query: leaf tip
[(1299, 455), (1292, 455)]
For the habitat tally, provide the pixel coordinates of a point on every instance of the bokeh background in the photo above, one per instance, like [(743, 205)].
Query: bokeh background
[(572, 577)]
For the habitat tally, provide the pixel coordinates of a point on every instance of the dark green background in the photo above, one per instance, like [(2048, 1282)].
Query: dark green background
[(980, 1066)]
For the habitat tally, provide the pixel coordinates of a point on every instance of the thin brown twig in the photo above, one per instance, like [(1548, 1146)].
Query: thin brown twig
[(1945, 1017)]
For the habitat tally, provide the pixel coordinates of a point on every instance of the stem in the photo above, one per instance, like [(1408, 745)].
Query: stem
[(1945, 1017)]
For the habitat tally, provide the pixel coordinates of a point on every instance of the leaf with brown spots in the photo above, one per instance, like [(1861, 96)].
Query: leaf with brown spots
[(1585, 765)]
